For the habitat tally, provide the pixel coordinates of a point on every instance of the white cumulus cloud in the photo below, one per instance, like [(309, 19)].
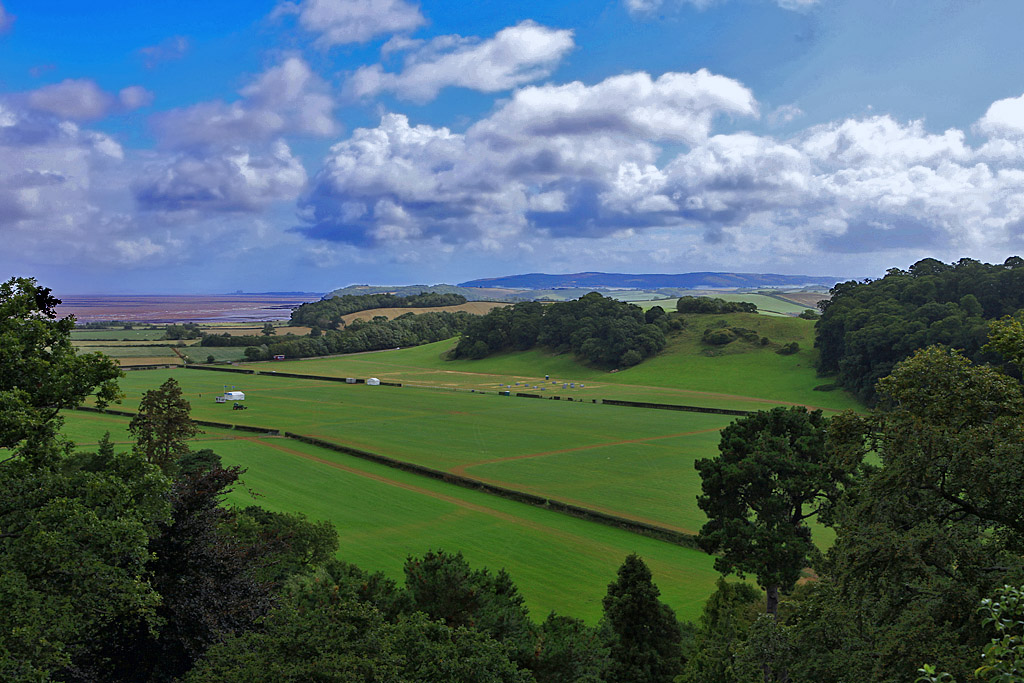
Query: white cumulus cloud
[(340, 22), (514, 56), (584, 169), (285, 99), (231, 180), (1004, 119)]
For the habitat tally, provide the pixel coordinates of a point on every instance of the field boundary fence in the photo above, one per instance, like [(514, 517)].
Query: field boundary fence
[(650, 530), (202, 423), (673, 406), (243, 371)]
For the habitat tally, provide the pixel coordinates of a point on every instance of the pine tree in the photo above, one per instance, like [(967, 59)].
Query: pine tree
[(644, 634)]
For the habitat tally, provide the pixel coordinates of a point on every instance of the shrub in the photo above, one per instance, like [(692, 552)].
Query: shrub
[(719, 337), (788, 349)]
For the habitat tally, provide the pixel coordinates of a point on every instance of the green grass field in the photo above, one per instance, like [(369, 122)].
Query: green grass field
[(576, 452), (116, 335), (383, 515), (739, 375), (148, 351), (199, 354)]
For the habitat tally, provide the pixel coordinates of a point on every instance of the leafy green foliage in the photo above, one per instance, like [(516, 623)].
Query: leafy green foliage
[(162, 426), (444, 587), (773, 473), (722, 632), (1006, 337), (923, 538), (40, 372), (1003, 657), (789, 349), (296, 543), (406, 330), (866, 328), (598, 329), (644, 636), (327, 314), (709, 304), (208, 581), (74, 545), (568, 650), (185, 331)]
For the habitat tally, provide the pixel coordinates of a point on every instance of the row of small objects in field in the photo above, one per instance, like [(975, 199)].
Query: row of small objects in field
[(527, 385)]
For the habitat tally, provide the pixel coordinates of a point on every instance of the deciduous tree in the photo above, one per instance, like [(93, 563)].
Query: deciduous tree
[(162, 427), (40, 372), (773, 473)]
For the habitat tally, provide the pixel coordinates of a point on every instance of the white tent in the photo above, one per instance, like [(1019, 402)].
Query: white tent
[(373, 382), (234, 395)]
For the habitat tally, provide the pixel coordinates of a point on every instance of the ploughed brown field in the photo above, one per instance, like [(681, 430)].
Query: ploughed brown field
[(182, 308)]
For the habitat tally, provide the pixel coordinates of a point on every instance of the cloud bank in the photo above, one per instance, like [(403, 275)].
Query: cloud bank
[(637, 157)]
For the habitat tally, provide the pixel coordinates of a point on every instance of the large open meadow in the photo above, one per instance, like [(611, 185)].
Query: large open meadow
[(384, 515), (631, 462)]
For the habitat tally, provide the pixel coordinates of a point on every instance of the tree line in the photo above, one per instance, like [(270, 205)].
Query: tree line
[(597, 329), (867, 327), (327, 314), (408, 329)]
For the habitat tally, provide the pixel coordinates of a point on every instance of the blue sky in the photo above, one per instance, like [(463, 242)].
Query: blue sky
[(309, 144)]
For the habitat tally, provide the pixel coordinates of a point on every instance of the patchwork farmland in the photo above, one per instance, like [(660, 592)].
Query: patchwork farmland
[(627, 462)]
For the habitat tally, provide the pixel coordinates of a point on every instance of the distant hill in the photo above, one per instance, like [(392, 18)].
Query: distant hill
[(705, 280)]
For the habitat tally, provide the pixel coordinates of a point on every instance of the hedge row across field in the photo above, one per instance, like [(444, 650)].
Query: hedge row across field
[(203, 423), (642, 528), (208, 367), (672, 406)]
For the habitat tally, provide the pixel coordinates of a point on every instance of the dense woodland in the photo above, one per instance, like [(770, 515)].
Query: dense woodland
[(711, 304), (125, 566), (597, 329), (328, 313), (867, 327), (379, 333)]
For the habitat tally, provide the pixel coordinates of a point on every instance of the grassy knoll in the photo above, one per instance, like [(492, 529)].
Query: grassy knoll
[(740, 375), (383, 515), (506, 440)]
